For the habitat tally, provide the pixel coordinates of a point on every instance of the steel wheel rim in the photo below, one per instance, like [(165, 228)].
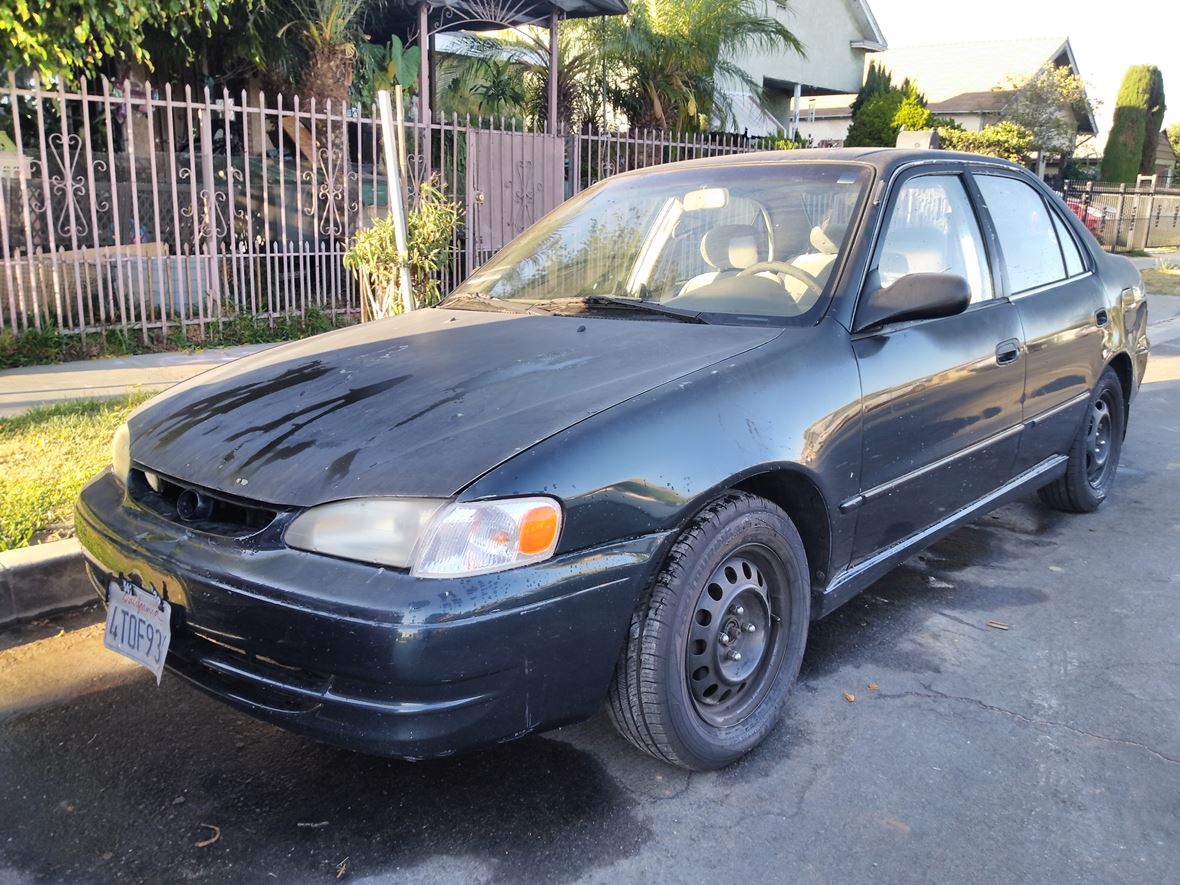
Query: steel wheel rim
[(1099, 439), (730, 667)]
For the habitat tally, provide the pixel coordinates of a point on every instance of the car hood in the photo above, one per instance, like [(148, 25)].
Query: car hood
[(419, 405)]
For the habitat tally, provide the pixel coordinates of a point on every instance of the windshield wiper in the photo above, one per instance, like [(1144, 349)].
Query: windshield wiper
[(479, 300), (685, 316)]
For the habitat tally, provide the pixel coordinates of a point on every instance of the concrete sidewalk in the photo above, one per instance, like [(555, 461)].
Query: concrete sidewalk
[(22, 389)]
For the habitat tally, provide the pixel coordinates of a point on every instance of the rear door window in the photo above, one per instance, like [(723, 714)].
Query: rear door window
[(1025, 228)]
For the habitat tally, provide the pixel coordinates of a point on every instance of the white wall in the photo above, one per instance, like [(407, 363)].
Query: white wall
[(826, 28)]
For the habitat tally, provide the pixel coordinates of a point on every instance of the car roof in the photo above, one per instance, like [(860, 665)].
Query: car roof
[(885, 160)]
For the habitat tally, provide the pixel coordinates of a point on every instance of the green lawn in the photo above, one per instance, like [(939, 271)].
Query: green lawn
[(1162, 281), (46, 456)]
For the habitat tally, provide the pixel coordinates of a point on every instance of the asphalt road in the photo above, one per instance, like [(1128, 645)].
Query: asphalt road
[(1047, 752)]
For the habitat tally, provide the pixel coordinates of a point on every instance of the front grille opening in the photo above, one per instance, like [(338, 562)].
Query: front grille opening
[(216, 514)]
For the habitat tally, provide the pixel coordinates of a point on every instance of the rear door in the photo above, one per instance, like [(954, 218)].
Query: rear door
[(1060, 304), (941, 396)]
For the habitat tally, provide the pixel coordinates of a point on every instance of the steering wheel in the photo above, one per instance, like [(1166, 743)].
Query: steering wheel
[(787, 268)]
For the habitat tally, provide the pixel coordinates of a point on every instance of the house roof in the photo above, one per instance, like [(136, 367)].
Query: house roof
[(964, 73), (1165, 152), (989, 102), (945, 70)]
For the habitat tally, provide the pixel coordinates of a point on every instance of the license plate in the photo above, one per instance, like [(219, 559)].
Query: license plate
[(138, 625)]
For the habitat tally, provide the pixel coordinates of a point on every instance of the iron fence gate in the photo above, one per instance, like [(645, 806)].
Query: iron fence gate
[(154, 209)]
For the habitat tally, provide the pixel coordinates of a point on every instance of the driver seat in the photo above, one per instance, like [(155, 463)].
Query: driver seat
[(818, 264), (728, 249)]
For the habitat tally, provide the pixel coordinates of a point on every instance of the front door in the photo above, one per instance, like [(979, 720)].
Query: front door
[(941, 409), (1061, 308)]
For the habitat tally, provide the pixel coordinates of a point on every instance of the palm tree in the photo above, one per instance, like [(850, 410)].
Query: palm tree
[(330, 30), (678, 58), (507, 73)]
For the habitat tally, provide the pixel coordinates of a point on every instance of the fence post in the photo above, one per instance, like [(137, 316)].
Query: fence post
[(1118, 218), (210, 207)]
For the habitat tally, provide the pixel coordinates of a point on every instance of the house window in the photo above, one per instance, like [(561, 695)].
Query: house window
[(811, 110)]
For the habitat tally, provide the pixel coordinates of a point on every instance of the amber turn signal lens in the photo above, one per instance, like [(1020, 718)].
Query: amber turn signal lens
[(538, 530)]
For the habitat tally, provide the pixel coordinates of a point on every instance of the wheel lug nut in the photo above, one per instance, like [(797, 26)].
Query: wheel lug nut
[(750, 628), (739, 610), (735, 655), (723, 639)]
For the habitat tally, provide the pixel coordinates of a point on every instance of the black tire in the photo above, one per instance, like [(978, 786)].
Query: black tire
[(1094, 455), (740, 551)]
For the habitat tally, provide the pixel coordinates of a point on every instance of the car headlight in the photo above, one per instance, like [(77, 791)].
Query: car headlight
[(433, 538), (488, 536), (121, 453)]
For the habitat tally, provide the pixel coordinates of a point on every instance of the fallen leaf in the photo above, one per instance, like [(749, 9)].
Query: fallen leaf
[(179, 800), (872, 686), (849, 697), (61, 633), (997, 625), (342, 868), (314, 826), (205, 843), (894, 824)]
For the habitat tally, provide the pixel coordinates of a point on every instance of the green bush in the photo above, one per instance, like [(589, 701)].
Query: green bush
[(1007, 140), (373, 256)]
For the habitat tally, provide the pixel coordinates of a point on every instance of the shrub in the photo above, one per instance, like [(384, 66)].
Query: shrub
[(373, 256), (1007, 140)]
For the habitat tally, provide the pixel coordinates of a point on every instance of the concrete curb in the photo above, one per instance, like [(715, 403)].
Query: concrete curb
[(41, 580)]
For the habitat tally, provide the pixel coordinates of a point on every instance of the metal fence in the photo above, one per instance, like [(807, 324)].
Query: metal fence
[(154, 209), (1126, 218)]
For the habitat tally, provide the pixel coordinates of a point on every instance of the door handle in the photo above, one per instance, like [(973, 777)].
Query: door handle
[(1007, 352), (1101, 317)]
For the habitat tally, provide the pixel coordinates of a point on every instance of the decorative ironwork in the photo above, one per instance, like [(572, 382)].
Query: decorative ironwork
[(69, 217), (456, 14)]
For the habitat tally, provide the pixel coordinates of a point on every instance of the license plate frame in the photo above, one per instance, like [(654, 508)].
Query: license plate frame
[(139, 625)]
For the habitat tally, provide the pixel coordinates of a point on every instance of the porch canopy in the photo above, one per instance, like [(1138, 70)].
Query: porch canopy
[(419, 20)]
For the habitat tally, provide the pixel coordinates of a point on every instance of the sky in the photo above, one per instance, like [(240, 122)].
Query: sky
[(1105, 42)]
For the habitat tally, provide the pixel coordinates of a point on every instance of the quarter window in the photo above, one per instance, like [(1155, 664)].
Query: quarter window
[(1023, 223), (933, 230)]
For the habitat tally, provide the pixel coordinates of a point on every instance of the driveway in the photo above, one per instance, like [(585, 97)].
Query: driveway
[(1048, 751)]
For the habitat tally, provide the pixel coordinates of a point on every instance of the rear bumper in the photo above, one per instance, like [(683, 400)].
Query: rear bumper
[(367, 657)]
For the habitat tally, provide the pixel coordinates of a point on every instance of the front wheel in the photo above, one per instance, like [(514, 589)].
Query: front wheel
[(715, 645), (1094, 455)]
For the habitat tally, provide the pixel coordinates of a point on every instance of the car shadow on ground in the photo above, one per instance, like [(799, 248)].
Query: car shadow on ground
[(124, 783)]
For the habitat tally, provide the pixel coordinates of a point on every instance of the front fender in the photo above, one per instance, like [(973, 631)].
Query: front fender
[(648, 464)]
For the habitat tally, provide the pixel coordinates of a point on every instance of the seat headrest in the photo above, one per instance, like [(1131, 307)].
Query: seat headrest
[(731, 247), (821, 242)]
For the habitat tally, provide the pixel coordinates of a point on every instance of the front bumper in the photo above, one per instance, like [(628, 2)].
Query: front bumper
[(369, 657)]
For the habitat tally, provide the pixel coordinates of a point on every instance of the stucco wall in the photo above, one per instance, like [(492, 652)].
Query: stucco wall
[(826, 28)]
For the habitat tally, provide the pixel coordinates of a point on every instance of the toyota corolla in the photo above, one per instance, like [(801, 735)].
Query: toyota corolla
[(628, 461)]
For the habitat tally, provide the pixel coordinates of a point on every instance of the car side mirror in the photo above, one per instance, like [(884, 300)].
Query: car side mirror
[(916, 296)]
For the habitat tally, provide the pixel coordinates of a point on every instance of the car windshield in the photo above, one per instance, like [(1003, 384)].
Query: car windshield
[(745, 241)]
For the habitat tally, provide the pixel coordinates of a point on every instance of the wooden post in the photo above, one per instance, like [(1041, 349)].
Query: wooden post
[(396, 206)]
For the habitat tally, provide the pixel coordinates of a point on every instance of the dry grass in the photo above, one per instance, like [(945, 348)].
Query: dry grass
[(1163, 280)]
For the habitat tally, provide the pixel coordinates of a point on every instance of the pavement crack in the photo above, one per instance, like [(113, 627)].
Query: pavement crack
[(934, 694)]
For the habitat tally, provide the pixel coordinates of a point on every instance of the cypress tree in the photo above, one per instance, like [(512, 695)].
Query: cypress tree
[(1128, 132), (1155, 121)]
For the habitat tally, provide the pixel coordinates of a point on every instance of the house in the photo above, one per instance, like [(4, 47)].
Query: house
[(969, 83), (838, 36), (1165, 161)]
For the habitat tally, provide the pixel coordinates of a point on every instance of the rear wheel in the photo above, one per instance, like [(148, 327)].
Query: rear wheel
[(1094, 455), (715, 645)]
